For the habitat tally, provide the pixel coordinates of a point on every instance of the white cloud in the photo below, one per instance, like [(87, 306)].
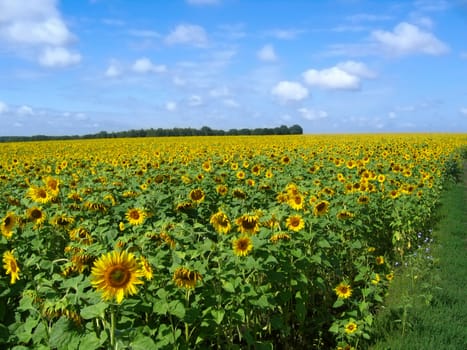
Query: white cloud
[(219, 92), (332, 78), (290, 91), (312, 114), (202, 2), (38, 25), (144, 65), (189, 34), (113, 70), (171, 106), (144, 33), (463, 111), (285, 34), (357, 68), (267, 53), (408, 39), (229, 102), (3, 107), (58, 57), (392, 115), (25, 110), (463, 55)]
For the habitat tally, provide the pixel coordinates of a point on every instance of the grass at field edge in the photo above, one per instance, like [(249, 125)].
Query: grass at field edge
[(426, 307)]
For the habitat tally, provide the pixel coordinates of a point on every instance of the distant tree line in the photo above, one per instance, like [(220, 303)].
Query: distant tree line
[(159, 132)]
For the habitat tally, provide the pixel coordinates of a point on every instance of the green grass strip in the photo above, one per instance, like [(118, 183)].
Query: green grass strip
[(426, 307)]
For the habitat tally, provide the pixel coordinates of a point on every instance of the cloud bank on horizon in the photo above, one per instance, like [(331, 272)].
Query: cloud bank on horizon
[(338, 66)]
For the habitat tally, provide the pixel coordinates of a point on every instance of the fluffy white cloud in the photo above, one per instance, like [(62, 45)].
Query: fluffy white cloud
[(463, 111), (312, 114), (58, 57), (144, 65), (189, 34), (113, 70), (37, 24), (290, 91), (285, 34), (267, 53), (3, 107), (357, 68), (195, 100), (202, 2), (332, 78), (408, 39)]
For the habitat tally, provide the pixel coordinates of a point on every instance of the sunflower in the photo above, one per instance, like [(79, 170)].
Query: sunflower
[(344, 215), (239, 193), (248, 223), (7, 224), (39, 195), (36, 215), (81, 235), (135, 216), (379, 260), (343, 290), (146, 268), (222, 190), (52, 186), (376, 280), (197, 195), (363, 200), (295, 223), (279, 237), (321, 208), (11, 266), (221, 222), (116, 275), (256, 170), (240, 175), (350, 327), (207, 166), (242, 246), (62, 220), (390, 276), (185, 278), (296, 201)]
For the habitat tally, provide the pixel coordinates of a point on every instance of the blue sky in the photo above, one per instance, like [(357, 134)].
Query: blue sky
[(339, 66)]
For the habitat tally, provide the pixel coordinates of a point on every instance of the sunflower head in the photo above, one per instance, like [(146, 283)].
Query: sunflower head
[(135, 216), (116, 275), (295, 223), (197, 195), (279, 237), (221, 222), (36, 215), (39, 195), (185, 278), (321, 208), (343, 290), (11, 266), (248, 223), (296, 201), (242, 246), (7, 224)]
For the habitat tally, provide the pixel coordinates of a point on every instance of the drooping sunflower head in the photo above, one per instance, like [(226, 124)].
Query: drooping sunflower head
[(7, 224), (197, 195), (279, 237), (146, 268), (248, 223), (116, 275), (363, 200), (221, 222), (52, 185), (135, 216), (242, 246), (343, 290), (321, 208), (80, 234), (11, 266), (379, 260), (238, 193), (186, 278), (295, 223), (36, 215), (222, 190), (345, 215), (62, 220)]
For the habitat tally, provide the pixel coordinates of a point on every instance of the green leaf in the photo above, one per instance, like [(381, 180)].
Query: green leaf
[(92, 341), (61, 337), (177, 309), (218, 315), (338, 303), (142, 342), (93, 311), (334, 328), (322, 243), (228, 287)]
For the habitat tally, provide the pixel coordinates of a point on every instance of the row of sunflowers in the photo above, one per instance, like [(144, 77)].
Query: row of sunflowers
[(210, 242)]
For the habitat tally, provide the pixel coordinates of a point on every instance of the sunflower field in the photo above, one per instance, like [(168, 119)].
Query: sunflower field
[(247, 242)]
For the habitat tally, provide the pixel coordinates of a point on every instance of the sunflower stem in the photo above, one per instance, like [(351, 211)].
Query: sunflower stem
[(113, 343)]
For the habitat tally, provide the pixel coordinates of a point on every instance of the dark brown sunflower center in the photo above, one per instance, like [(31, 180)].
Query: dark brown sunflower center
[(36, 214), (249, 224), (134, 215), (119, 276), (295, 222), (42, 193), (13, 267), (242, 245), (196, 195), (321, 207), (7, 221)]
